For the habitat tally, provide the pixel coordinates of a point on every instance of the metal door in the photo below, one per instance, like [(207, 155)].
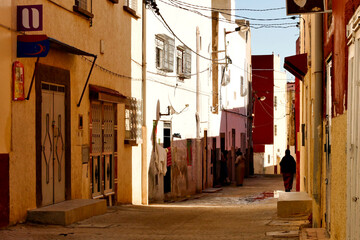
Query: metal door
[(102, 148), (53, 143), (96, 148), (108, 153)]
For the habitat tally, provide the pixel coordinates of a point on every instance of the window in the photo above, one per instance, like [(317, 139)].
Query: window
[(131, 6), (243, 87), (84, 7), (179, 61), (132, 121), (225, 76), (275, 102), (164, 55), (183, 62), (159, 53), (268, 158), (275, 130)]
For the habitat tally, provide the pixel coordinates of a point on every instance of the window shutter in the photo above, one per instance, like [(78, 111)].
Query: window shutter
[(171, 51), (133, 4), (166, 56), (187, 67)]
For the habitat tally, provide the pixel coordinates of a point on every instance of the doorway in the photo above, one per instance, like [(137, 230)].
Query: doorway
[(53, 143), (328, 80), (167, 143), (102, 148), (353, 154), (53, 152)]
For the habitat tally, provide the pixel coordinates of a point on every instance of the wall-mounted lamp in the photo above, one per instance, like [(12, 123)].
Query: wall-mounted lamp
[(262, 98), (176, 135)]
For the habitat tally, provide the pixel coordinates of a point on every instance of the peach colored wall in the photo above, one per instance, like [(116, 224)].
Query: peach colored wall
[(5, 76), (111, 24)]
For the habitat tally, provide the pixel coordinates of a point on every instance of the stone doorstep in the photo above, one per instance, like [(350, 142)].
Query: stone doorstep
[(293, 204), (314, 234), (283, 234), (67, 212)]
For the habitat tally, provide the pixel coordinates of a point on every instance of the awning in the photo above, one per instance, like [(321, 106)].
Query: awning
[(107, 95), (60, 46), (297, 65), (55, 44)]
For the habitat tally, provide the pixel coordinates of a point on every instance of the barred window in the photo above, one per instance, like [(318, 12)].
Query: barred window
[(133, 119), (84, 7), (132, 4), (164, 47)]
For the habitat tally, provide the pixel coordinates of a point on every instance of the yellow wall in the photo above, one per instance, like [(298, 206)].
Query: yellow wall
[(338, 177), (111, 24), (5, 76)]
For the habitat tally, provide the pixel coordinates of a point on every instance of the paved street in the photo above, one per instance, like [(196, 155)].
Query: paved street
[(247, 212)]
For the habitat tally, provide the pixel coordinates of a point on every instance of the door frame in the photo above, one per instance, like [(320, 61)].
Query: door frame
[(50, 74), (328, 113)]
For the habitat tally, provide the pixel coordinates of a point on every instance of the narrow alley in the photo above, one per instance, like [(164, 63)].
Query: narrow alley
[(247, 212)]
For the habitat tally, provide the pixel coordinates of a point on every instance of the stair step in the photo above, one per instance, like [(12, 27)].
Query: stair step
[(294, 204), (67, 212)]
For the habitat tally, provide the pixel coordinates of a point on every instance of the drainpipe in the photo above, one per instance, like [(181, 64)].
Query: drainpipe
[(316, 85), (144, 168), (198, 142)]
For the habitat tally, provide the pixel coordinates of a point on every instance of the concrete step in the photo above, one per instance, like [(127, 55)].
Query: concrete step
[(67, 212), (314, 234), (293, 204)]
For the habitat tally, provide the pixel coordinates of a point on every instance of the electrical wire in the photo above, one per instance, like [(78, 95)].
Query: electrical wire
[(176, 76), (237, 9), (173, 33), (198, 7), (254, 25)]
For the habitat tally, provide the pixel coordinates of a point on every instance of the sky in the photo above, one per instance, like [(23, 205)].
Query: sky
[(270, 40)]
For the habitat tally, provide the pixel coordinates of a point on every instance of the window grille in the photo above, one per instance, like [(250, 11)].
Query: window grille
[(133, 120), (164, 52)]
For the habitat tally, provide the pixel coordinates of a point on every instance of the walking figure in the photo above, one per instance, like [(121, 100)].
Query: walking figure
[(288, 169)]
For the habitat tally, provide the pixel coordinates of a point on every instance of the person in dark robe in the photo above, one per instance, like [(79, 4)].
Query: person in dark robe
[(288, 169), (224, 169)]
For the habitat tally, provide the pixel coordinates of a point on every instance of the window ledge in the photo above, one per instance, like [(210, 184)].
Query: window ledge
[(83, 12), (131, 142), (131, 11)]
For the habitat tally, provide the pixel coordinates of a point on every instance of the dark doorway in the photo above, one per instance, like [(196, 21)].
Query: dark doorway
[(167, 143)]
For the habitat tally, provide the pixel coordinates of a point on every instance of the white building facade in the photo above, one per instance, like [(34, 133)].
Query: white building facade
[(181, 115)]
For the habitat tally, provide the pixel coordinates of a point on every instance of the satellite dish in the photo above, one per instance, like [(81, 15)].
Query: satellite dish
[(158, 110), (300, 3)]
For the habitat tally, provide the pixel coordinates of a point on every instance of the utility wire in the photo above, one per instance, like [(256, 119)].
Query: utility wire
[(237, 9), (225, 13), (173, 33), (259, 25)]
